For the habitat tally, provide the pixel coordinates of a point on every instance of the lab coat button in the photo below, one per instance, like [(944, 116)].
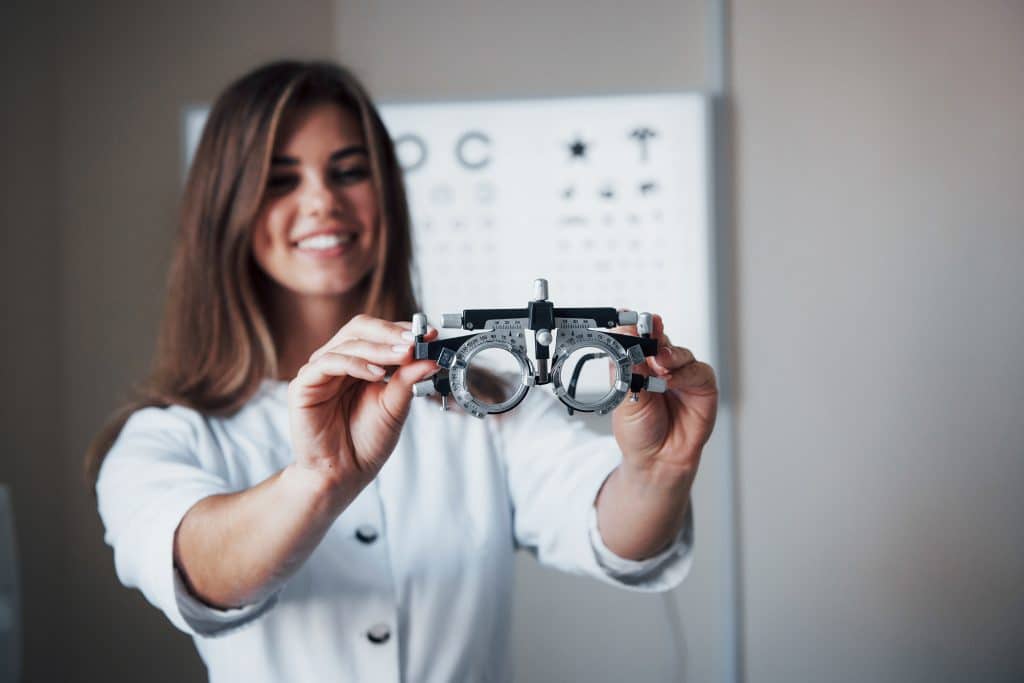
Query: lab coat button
[(366, 533), (378, 633)]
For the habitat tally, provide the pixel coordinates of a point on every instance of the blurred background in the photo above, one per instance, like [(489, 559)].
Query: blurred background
[(865, 490)]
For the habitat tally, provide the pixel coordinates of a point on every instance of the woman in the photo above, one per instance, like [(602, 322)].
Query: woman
[(275, 492)]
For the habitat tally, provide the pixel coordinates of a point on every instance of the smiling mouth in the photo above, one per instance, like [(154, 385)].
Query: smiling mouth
[(326, 242)]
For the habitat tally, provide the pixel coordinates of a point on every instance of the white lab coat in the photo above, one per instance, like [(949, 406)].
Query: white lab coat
[(413, 581)]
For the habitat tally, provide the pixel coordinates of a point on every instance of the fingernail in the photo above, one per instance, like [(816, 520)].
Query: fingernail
[(400, 348), (408, 335), (375, 369)]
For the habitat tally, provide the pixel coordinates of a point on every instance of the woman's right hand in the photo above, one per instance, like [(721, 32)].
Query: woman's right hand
[(345, 418)]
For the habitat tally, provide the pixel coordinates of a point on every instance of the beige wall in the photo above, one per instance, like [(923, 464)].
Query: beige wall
[(880, 233), (879, 160)]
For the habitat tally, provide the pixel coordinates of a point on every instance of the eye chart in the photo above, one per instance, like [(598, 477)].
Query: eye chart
[(606, 197)]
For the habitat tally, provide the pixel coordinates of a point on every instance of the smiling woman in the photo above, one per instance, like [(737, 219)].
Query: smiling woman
[(250, 181), (317, 226), (274, 473)]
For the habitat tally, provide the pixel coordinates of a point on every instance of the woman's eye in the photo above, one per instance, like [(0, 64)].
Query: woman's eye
[(281, 183), (350, 175)]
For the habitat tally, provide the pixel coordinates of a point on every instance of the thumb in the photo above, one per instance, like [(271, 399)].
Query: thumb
[(397, 394)]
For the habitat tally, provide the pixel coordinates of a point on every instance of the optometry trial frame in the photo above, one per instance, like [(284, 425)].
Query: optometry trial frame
[(571, 330)]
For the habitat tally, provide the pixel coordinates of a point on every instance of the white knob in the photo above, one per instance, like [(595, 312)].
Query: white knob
[(419, 324), (544, 337), (645, 323), (451, 320), (656, 385), (540, 289), (627, 317), (424, 388)]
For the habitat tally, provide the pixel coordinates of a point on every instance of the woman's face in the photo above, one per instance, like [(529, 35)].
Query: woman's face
[(318, 220)]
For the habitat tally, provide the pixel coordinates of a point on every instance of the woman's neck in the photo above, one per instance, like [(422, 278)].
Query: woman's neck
[(302, 323)]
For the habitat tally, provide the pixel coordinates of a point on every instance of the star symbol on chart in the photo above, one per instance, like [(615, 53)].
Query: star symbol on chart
[(577, 149)]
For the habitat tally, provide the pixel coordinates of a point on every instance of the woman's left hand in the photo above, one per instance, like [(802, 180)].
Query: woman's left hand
[(662, 435)]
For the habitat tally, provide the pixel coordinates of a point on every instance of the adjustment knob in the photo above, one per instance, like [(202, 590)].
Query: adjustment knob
[(627, 317), (655, 385), (644, 324), (451, 320), (540, 289), (424, 388), (419, 324), (544, 337)]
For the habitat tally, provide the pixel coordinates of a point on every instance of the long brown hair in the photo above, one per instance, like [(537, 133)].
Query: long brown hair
[(216, 345)]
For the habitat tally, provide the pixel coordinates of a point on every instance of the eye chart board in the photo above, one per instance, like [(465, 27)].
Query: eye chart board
[(606, 197)]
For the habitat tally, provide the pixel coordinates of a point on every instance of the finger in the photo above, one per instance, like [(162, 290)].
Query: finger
[(372, 352), (331, 365), (373, 329), (364, 326), (397, 395), (656, 362), (407, 325), (657, 326), (671, 358), (694, 378)]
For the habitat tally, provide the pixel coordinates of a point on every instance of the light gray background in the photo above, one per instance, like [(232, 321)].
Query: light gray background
[(877, 298)]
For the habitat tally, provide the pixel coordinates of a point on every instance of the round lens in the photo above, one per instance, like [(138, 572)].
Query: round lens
[(493, 376), (587, 375)]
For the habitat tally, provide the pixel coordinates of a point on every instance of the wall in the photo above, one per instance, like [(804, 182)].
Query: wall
[(30, 418), (880, 229)]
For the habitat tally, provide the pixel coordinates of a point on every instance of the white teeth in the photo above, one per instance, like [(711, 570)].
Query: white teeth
[(322, 242)]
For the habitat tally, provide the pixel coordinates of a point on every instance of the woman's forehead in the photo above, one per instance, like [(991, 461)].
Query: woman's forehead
[(310, 126)]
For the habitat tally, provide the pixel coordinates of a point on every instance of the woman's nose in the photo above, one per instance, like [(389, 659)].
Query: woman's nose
[(319, 198)]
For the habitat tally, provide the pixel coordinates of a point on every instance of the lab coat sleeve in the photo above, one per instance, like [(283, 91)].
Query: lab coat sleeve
[(555, 468), (150, 478)]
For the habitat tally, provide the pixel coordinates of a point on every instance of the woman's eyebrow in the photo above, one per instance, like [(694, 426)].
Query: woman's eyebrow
[(282, 160)]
